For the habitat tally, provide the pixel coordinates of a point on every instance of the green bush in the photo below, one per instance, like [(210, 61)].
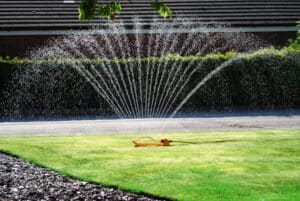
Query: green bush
[(267, 78), (295, 44)]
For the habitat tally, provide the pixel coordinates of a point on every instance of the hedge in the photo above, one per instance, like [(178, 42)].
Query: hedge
[(267, 78)]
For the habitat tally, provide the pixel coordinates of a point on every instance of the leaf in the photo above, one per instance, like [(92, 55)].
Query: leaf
[(116, 7), (163, 10), (87, 9), (108, 11), (81, 13)]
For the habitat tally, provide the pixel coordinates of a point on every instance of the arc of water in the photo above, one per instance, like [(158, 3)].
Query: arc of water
[(175, 64), (108, 71), (153, 100), (203, 81), (149, 44), (156, 76), (186, 81), (119, 103), (117, 106), (170, 96), (182, 51), (166, 61), (157, 39), (129, 71), (147, 71), (112, 77), (124, 56), (94, 70), (103, 93), (165, 41), (138, 46)]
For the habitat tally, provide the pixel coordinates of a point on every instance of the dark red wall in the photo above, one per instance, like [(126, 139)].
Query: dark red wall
[(18, 46)]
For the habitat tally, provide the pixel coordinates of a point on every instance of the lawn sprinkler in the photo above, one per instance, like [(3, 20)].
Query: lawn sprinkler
[(163, 142)]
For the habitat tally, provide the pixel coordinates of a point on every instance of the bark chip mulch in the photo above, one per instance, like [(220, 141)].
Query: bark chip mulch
[(22, 181)]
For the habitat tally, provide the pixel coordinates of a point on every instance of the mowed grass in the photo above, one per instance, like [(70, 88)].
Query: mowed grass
[(255, 165)]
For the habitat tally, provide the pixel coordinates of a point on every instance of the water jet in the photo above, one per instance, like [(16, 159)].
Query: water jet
[(142, 73)]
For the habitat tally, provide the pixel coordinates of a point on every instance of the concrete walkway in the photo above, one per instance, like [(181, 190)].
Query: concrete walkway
[(150, 125)]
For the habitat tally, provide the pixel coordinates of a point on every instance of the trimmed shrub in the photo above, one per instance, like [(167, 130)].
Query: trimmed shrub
[(268, 78)]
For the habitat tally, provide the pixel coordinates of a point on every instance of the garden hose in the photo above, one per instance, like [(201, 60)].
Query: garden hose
[(166, 142)]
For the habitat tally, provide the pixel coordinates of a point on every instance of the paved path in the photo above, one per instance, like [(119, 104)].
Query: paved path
[(149, 125)]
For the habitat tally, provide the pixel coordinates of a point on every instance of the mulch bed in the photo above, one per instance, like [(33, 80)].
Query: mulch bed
[(23, 181)]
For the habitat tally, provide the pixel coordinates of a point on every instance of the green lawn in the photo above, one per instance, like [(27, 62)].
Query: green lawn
[(257, 165)]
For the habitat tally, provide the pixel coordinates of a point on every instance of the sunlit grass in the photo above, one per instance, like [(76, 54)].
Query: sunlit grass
[(257, 165)]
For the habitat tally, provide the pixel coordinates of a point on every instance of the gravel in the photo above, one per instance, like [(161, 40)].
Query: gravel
[(22, 181)]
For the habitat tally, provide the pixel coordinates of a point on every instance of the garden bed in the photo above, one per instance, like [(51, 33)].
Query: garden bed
[(23, 181)]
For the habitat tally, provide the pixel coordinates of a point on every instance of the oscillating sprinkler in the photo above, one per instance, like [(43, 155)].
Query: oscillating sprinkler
[(162, 142)]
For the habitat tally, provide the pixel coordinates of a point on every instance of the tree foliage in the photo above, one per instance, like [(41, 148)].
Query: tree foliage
[(109, 10), (295, 43), (163, 10), (89, 9)]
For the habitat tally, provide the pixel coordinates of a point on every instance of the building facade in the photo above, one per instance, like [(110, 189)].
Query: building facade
[(27, 24)]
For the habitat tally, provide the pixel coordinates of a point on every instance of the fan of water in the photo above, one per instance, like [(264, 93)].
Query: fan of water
[(139, 69)]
